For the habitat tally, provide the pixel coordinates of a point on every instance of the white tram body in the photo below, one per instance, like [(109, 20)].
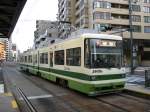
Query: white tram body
[(89, 63)]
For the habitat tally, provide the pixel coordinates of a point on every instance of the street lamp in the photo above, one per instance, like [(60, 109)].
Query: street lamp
[(131, 35)]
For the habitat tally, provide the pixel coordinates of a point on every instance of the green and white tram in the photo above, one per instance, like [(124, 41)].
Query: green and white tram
[(89, 63)]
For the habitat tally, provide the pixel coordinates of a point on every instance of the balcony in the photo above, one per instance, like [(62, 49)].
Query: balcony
[(113, 21), (119, 11), (77, 4), (119, 1)]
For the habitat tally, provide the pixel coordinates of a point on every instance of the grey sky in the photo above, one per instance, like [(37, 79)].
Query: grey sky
[(23, 34)]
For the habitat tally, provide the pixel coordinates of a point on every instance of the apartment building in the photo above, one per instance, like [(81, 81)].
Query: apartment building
[(45, 31), (7, 48), (65, 14), (96, 14), (2, 51)]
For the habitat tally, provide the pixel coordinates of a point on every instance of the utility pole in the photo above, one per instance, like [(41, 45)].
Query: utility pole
[(131, 35)]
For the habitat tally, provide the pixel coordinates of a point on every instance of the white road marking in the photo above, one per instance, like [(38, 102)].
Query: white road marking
[(38, 97)]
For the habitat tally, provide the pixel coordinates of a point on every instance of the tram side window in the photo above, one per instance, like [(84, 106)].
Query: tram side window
[(87, 61), (21, 59), (30, 59), (73, 56), (25, 59), (59, 57), (44, 58), (51, 59), (35, 59)]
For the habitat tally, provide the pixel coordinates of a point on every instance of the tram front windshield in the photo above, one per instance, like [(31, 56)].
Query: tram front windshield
[(100, 53)]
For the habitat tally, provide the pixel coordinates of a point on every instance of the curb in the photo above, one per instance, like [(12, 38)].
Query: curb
[(137, 93), (10, 101)]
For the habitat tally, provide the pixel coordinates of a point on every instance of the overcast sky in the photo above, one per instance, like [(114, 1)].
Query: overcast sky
[(23, 34)]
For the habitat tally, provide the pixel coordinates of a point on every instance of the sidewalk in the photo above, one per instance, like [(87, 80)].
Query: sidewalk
[(7, 101), (139, 89), (136, 83)]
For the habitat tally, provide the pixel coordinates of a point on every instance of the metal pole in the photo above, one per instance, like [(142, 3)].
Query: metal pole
[(131, 35)]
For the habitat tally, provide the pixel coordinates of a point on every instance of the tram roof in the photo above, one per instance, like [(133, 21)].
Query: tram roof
[(95, 35), (102, 36)]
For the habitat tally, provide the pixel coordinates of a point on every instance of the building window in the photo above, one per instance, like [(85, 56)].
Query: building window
[(100, 27), (102, 15), (50, 35), (146, 29), (136, 28), (136, 18), (44, 58), (68, 4), (146, 1), (81, 22), (147, 19), (81, 3), (102, 4), (73, 57), (59, 57), (146, 9), (136, 8), (146, 55)]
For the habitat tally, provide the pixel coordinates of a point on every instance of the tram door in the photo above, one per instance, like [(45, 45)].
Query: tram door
[(51, 59)]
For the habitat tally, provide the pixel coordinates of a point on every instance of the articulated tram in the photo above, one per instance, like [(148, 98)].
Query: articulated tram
[(89, 63)]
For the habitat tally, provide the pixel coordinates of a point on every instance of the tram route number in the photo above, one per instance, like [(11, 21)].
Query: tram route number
[(96, 71)]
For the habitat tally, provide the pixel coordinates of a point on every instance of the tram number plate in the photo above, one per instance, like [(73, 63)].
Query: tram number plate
[(96, 71)]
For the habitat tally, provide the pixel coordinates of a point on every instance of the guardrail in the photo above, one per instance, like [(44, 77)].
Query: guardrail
[(27, 101), (147, 78)]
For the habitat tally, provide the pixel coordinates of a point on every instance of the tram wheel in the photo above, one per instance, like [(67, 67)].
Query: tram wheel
[(62, 82)]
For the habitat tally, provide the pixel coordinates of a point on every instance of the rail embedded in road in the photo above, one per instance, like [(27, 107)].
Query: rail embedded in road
[(27, 101)]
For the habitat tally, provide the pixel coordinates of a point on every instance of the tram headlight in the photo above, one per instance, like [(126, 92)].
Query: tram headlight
[(93, 77), (123, 75)]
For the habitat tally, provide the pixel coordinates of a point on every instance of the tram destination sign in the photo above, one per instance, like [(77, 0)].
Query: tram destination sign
[(105, 43)]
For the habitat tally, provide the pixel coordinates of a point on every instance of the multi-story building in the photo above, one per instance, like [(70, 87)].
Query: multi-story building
[(96, 14), (2, 51), (15, 52), (7, 48), (45, 31), (66, 17)]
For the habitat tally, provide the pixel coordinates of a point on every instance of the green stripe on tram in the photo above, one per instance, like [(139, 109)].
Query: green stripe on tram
[(81, 75)]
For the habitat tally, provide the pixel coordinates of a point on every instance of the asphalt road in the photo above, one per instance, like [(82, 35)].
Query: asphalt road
[(46, 96)]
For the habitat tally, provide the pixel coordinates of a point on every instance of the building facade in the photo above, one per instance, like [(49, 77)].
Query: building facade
[(96, 14), (7, 48), (15, 52), (45, 31), (2, 51)]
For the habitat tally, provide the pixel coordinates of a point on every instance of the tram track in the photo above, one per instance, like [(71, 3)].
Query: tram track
[(122, 105), (140, 100), (58, 98), (69, 97), (66, 106), (76, 102), (113, 105), (126, 103)]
